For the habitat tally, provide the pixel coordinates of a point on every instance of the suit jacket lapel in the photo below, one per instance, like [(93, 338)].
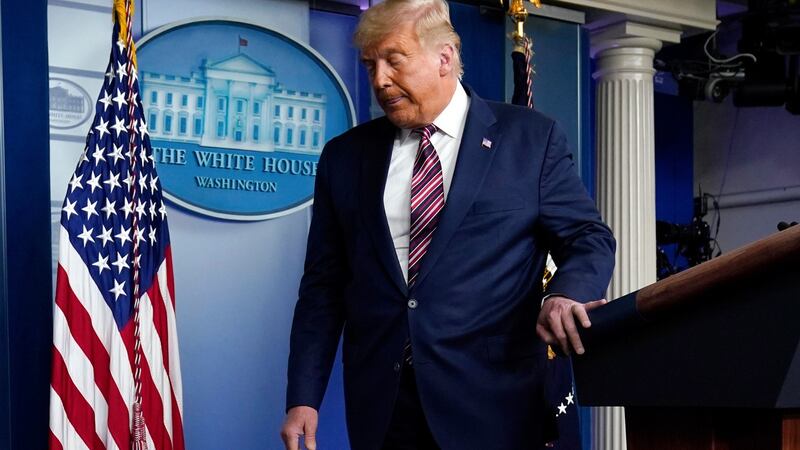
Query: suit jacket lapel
[(471, 166), (377, 153)]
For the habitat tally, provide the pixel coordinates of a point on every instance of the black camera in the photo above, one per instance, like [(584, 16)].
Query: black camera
[(692, 241)]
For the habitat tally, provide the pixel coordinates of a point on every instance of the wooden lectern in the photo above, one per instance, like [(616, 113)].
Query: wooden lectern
[(705, 359)]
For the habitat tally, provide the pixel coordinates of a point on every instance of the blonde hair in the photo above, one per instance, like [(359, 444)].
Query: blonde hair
[(432, 19)]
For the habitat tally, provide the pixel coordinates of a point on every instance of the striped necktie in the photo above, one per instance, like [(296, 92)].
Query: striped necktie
[(427, 200)]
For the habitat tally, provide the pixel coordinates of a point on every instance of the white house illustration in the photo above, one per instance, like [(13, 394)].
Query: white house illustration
[(233, 103)]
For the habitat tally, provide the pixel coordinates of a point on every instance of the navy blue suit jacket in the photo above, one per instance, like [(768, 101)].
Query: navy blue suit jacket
[(477, 358)]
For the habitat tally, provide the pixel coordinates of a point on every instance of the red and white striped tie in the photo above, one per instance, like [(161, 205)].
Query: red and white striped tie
[(427, 200)]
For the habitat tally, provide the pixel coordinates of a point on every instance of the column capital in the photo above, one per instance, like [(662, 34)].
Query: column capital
[(625, 57), (631, 34), (627, 48)]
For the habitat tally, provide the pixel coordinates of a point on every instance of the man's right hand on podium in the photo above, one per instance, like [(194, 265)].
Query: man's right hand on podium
[(556, 324)]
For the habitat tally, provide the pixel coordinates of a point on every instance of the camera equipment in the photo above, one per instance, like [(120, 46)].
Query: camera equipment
[(693, 241), (765, 71)]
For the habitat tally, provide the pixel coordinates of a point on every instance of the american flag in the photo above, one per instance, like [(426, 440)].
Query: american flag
[(115, 360)]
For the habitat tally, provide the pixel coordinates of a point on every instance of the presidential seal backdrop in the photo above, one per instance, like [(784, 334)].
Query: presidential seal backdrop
[(238, 115)]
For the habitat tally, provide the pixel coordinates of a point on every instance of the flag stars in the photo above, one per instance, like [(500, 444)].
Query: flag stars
[(116, 154), (562, 408), (154, 184), (75, 182), (119, 126), (118, 289), (101, 264), (70, 208), (143, 128), (102, 128), (115, 160), (105, 236), (89, 209), (112, 182), (106, 100), (121, 262), (129, 154), (94, 181), (98, 155), (86, 236), (110, 208), (127, 208), (140, 210), (139, 235), (144, 157), (128, 181), (123, 235), (143, 183), (119, 99), (121, 71)]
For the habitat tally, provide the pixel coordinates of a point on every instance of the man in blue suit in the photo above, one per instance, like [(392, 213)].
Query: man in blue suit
[(427, 246)]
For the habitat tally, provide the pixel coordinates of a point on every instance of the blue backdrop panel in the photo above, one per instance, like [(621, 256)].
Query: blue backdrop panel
[(559, 60), (674, 158), (25, 355), (234, 326), (5, 441), (586, 107), (482, 49), (674, 121), (330, 35)]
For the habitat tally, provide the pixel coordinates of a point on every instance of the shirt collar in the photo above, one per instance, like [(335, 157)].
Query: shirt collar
[(451, 118)]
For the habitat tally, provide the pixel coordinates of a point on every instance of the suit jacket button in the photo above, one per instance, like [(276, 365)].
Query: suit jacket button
[(412, 303), (397, 367)]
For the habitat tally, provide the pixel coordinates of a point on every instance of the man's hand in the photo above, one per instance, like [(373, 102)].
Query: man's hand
[(556, 322), (300, 421)]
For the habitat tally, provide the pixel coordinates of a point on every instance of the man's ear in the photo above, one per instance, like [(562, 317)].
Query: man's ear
[(446, 60)]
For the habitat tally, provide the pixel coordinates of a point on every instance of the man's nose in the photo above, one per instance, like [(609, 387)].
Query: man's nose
[(381, 79)]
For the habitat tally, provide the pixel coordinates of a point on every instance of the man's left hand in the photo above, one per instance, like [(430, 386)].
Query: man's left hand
[(556, 322)]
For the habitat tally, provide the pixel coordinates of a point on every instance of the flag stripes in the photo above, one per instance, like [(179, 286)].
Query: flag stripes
[(99, 413)]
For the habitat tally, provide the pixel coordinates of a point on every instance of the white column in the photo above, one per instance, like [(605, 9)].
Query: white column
[(625, 181)]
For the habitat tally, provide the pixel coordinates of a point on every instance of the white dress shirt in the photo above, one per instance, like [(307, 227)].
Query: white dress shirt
[(397, 194)]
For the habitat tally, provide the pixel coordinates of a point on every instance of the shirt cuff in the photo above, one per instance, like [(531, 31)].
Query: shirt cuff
[(554, 294)]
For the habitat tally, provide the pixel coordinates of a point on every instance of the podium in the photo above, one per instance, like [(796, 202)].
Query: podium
[(707, 358)]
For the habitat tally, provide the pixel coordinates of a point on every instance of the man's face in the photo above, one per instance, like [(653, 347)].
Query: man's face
[(410, 81)]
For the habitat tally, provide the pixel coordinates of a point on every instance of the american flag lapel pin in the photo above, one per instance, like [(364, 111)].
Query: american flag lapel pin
[(487, 144)]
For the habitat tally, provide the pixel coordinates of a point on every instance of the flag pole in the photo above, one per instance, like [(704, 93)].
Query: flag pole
[(124, 14), (522, 43)]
